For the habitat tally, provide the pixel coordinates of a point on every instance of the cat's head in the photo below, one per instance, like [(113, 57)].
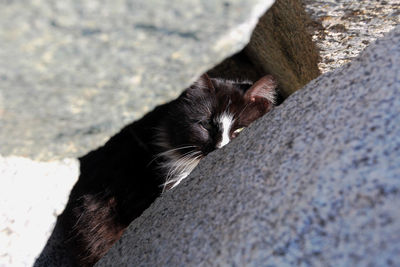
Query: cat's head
[(208, 115)]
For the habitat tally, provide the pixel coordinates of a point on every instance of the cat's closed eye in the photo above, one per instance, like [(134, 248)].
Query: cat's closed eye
[(206, 124)]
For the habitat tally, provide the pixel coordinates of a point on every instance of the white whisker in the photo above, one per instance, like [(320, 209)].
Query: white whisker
[(180, 164), (169, 152), (180, 168)]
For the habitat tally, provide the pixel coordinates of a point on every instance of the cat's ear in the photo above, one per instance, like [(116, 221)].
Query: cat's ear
[(204, 83), (263, 91)]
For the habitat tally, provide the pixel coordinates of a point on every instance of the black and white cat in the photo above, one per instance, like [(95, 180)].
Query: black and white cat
[(121, 179)]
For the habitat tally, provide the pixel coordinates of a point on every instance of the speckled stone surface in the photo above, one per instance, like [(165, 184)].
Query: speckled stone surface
[(72, 73), (343, 28), (316, 182)]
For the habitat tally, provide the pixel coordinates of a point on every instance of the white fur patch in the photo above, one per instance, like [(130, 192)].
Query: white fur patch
[(226, 121), (178, 166)]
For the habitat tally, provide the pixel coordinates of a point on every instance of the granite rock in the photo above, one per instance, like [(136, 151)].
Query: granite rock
[(343, 28), (314, 182), (73, 73), (280, 45)]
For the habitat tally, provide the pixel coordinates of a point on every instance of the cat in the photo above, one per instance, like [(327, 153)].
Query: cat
[(121, 179)]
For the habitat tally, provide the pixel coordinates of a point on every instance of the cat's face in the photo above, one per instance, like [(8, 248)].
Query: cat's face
[(208, 115)]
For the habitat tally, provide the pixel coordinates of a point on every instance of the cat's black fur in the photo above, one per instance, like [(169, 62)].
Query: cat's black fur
[(121, 179)]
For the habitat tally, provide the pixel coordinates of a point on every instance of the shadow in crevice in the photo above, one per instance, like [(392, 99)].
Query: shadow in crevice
[(239, 67), (127, 154), (280, 45)]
